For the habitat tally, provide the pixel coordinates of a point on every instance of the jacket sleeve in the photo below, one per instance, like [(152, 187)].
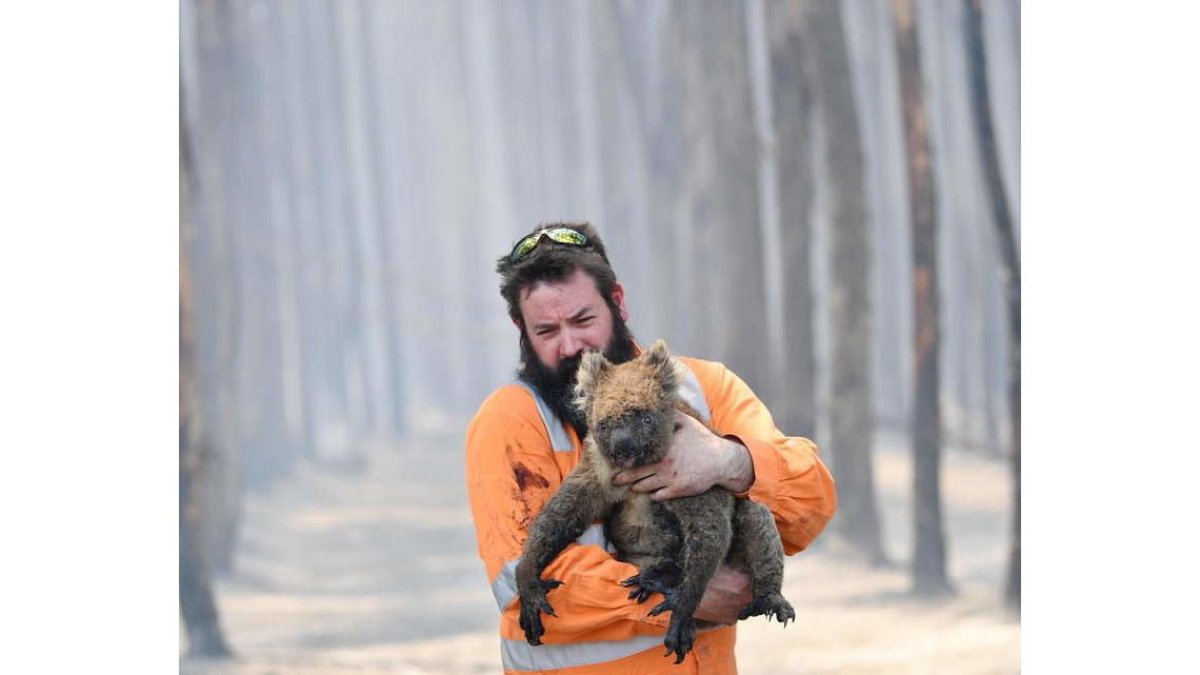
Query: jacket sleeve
[(789, 477), (511, 472)]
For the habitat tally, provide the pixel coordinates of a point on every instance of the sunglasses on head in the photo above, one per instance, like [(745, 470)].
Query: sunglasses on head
[(561, 235)]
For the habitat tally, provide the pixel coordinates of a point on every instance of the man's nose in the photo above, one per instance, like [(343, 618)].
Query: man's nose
[(570, 346)]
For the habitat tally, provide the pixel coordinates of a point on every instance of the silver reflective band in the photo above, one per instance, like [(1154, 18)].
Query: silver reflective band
[(690, 391), (505, 585), (504, 588), (520, 655), (559, 440)]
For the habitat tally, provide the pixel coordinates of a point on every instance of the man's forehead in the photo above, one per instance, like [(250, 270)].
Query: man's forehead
[(565, 297)]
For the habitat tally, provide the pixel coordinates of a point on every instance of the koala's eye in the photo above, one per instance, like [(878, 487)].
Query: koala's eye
[(602, 425), (647, 419)]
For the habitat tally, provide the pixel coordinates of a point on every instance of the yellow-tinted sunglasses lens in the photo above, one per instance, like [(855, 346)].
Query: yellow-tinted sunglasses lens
[(564, 236), (561, 235), (525, 246)]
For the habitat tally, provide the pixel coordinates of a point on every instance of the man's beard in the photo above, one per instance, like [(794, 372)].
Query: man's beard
[(556, 386)]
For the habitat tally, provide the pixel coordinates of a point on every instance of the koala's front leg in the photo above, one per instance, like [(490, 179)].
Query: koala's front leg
[(576, 504), (707, 531)]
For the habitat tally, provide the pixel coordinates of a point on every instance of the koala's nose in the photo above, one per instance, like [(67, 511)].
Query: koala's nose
[(624, 443)]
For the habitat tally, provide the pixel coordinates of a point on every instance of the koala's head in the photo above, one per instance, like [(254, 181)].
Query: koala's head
[(630, 407)]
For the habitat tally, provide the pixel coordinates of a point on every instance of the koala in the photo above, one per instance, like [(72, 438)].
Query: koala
[(676, 544)]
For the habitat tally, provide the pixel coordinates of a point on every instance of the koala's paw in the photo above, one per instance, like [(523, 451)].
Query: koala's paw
[(533, 603), (658, 578), (681, 634), (769, 605)]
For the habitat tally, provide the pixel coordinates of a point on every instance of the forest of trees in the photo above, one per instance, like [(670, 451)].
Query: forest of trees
[(823, 195)]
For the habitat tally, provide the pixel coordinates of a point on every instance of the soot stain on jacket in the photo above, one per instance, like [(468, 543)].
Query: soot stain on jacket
[(525, 478)]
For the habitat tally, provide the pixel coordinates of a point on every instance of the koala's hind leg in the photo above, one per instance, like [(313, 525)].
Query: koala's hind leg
[(706, 537), (756, 545)]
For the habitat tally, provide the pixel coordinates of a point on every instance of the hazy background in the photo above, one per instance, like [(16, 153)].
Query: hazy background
[(349, 173)]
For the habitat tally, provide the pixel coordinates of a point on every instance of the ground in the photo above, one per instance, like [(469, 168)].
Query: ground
[(375, 571)]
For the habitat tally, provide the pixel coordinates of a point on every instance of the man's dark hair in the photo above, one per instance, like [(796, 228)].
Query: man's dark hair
[(552, 261)]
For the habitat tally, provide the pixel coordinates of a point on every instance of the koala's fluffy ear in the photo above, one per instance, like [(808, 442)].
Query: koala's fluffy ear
[(591, 369), (659, 357)]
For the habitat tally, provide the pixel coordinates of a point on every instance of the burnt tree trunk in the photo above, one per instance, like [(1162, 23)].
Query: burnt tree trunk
[(796, 411), (929, 551), (721, 173), (209, 48), (196, 601), (1011, 271), (851, 419)]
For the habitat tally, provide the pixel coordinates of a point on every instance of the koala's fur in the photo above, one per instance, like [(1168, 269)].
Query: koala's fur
[(676, 544)]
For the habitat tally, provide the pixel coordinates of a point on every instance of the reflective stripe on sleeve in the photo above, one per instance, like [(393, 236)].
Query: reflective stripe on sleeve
[(505, 585), (504, 588)]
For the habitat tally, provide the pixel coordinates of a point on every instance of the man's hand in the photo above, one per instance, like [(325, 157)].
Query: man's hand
[(727, 593), (697, 460)]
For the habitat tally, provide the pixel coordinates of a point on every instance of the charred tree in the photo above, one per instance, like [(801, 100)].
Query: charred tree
[(851, 416), (210, 185), (1010, 270), (929, 551), (196, 602), (796, 411), (721, 183)]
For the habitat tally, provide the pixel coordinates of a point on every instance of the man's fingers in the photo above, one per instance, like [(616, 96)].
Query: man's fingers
[(635, 475), (639, 482), (661, 494)]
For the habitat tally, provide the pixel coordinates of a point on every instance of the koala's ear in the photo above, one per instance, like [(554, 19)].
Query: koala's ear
[(591, 369), (659, 357)]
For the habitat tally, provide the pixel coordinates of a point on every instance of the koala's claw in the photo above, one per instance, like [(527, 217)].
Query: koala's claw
[(681, 635), (769, 605), (665, 605), (533, 603), (658, 578), (644, 586)]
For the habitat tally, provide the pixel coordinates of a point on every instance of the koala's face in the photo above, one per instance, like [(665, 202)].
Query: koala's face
[(630, 407), (634, 437)]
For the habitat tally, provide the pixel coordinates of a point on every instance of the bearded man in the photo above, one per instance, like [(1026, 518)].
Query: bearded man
[(564, 299)]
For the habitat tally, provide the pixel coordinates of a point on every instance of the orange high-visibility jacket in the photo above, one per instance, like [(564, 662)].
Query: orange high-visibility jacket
[(518, 453)]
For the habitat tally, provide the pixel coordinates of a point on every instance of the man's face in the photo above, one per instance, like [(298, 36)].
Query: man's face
[(565, 318), (562, 320)]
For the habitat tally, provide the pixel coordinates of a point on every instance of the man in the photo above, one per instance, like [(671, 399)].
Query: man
[(564, 299)]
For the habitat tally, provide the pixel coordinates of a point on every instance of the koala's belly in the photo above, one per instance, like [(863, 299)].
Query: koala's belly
[(640, 526)]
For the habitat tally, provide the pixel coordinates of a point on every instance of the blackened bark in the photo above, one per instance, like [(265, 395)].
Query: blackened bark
[(1011, 270), (929, 552), (196, 602), (851, 420), (211, 186)]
